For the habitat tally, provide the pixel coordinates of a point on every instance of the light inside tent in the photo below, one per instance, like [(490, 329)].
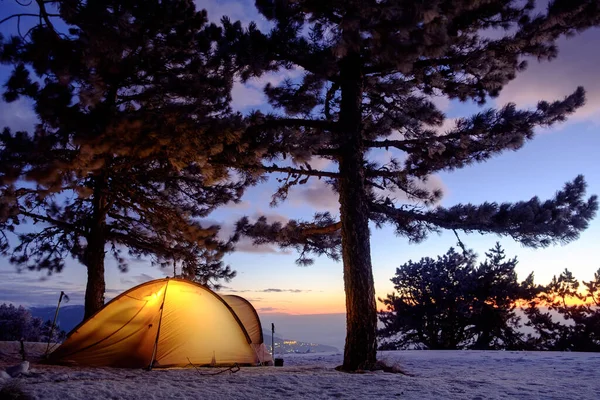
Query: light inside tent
[(154, 297)]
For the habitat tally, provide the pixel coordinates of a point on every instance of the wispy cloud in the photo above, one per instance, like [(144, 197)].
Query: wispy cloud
[(242, 205), (246, 96), (250, 94), (237, 10), (269, 290), (31, 289), (246, 244), (268, 309), (319, 163), (576, 65), (18, 115), (317, 194)]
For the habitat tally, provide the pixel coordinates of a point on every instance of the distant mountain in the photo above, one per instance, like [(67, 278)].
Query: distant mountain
[(283, 346), (68, 316), (328, 329)]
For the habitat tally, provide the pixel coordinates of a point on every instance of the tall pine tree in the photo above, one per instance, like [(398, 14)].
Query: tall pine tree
[(371, 69), (131, 102)]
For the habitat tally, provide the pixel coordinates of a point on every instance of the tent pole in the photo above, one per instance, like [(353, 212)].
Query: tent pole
[(54, 322), (273, 342), (162, 306)]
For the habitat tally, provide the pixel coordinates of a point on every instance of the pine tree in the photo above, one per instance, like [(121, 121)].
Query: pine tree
[(580, 310), (451, 303), (132, 102), (496, 294), (432, 305), (371, 69)]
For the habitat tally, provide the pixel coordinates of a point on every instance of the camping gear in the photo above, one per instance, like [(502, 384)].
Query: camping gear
[(62, 294), (278, 362), (273, 340), (164, 323)]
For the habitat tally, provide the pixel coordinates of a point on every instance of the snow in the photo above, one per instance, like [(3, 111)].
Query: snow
[(433, 375)]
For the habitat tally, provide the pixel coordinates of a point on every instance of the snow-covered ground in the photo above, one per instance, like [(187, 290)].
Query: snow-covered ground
[(433, 375)]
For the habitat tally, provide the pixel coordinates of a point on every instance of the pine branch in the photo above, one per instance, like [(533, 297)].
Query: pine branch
[(270, 123), (533, 223), (480, 137), (324, 230), (288, 170), (46, 17), (320, 237), (22, 15), (61, 224), (403, 145)]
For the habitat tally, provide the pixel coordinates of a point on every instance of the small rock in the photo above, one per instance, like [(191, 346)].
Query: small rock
[(4, 375), (18, 369)]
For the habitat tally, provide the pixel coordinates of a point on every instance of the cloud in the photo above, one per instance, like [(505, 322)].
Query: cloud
[(18, 115), (31, 289), (576, 65), (244, 96), (319, 163), (441, 102), (237, 10), (283, 290), (242, 205), (271, 217), (29, 295), (268, 309), (269, 290), (320, 196), (250, 94), (245, 244), (316, 193)]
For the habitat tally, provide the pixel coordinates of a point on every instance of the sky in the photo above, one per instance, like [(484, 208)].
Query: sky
[(269, 277)]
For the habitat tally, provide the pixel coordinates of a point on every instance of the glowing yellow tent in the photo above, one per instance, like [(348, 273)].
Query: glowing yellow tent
[(163, 323)]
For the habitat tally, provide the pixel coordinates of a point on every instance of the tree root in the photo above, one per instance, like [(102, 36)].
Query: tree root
[(380, 365)]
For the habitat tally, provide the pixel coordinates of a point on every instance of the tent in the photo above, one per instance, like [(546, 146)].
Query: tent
[(167, 323)]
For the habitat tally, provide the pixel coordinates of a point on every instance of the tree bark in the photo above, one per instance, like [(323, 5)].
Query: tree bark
[(361, 313), (94, 252)]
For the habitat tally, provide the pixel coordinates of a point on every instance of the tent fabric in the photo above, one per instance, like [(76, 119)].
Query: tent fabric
[(163, 323), (247, 315)]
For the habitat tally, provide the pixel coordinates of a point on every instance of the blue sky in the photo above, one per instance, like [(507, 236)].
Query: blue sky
[(270, 278)]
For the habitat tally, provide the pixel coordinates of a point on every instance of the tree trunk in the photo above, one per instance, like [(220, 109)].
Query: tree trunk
[(361, 312), (94, 252)]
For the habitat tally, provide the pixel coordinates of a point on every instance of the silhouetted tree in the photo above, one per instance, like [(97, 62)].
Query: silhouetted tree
[(17, 323), (370, 70), (131, 102), (577, 325), (450, 303)]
